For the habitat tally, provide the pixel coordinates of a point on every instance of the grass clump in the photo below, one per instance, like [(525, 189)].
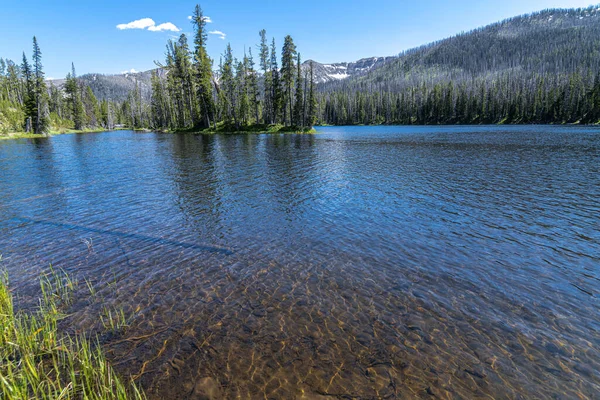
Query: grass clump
[(37, 362), (19, 135), (113, 320)]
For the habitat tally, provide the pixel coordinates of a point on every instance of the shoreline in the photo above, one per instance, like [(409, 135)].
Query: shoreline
[(258, 129), (246, 130), (475, 124), (25, 135)]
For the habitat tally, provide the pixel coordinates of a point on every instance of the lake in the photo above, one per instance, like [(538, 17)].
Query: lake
[(360, 262)]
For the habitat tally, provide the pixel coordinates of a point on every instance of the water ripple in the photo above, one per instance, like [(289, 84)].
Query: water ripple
[(363, 262)]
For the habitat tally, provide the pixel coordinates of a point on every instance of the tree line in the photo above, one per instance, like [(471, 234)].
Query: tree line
[(538, 99), (28, 103)]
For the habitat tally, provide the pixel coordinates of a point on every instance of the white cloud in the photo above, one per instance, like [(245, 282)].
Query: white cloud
[(148, 23), (138, 24), (218, 33), (167, 26), (131, 71)]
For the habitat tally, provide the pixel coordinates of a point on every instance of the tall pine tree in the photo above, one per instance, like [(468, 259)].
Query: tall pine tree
[(158, 103), (252, 81), (299, 101), (29, 94), (288, 71), (203, 67), (265, 66), (40, 92), (276, 95), (312, 102), (227, 84), (73, 92), (241, 93)]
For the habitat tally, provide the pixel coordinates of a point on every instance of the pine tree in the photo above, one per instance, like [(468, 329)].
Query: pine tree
[(181, 83), (265, 66), (137, 108), (74, 101), (312, 102), (105, 119), (299, 101), (92, 110), (158, 103), (185, 73), (288, 54), (3, 80), (593, 99), (56, 101), (203, 67), (16, 89), (174, 86), (40, 91), (276, 95), (228, 104), (253, 91), (29, 94), (241, 93)]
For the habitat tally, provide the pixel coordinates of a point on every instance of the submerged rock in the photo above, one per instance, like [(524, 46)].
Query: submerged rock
[(207, 389)]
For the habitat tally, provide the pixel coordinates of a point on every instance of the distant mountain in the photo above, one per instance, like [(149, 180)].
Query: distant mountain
[(116, 87), (324, 73), (537, 68)]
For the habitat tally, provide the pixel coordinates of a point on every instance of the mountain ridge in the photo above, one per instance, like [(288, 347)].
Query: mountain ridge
[(526, 42), (328, 72), (117, 86)]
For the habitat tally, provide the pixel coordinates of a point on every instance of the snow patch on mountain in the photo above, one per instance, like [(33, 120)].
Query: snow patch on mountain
[(338, 71), (338, 76)]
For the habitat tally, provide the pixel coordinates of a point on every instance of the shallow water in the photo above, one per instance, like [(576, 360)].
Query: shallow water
[(362, 262)]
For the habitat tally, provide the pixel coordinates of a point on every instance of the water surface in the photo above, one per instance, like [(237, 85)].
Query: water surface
[(362, 262)]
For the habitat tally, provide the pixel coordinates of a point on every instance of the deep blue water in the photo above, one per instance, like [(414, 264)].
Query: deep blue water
[(363, 262)]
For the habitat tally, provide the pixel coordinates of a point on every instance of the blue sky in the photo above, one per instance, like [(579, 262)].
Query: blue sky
[(86, 32)]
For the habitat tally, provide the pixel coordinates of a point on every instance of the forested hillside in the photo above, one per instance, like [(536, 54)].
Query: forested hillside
[(116, 87), (536, 68)]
